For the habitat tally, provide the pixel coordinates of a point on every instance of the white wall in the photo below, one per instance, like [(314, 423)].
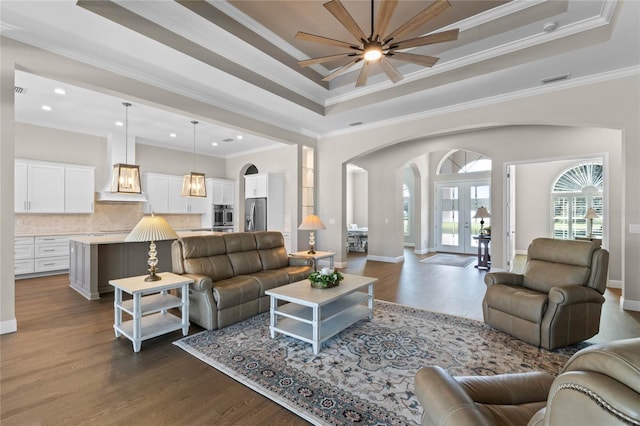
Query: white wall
[(515, 129)]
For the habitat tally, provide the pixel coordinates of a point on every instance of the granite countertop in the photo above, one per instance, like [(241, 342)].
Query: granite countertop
[(119, 238)]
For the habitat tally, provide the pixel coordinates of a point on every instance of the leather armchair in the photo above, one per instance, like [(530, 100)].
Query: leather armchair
[(599, 385), (557, 300)]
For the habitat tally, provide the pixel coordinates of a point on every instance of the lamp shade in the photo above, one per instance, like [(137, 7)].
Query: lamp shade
[(481, 213), (591, 214), (311, 223), (151, 228)]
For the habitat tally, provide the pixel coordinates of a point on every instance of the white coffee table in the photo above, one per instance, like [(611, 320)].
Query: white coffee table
[(315, 315)]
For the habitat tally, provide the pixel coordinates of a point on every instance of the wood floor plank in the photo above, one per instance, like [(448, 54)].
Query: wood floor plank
[(64, 366)]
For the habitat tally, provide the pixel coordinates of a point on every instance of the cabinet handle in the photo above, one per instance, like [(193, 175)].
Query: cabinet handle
[(29, 205), (48, 264), (49, 250)]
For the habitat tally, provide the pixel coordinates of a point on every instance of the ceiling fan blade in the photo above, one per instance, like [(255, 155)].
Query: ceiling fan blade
[(427, 61), (433, 10), (391, 71), (443, 36), (322, 59), (340, 13), (364, 74), (340, 70), (384, 16), (324, 40)]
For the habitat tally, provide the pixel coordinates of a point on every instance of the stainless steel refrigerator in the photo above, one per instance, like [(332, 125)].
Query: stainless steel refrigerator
[(255, 214)]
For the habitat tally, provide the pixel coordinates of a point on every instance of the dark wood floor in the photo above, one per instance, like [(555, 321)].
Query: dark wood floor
[(64, 366)]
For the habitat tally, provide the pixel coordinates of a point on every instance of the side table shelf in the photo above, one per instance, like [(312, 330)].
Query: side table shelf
[(149, 307)]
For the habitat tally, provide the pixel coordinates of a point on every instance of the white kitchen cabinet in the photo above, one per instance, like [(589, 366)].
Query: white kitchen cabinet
[(157, 190), (41, 255), (78, 189), (264, 185), (222, 191), (164, 195), (43, 187)]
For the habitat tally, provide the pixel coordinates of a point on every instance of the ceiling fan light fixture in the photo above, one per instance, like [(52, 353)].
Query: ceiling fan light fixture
[(372, 52)]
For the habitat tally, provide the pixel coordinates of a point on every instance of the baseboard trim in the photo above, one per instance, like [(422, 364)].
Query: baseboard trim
[(630, 305), (614, 284), (10, 326), (421, 251), (340, 265), (522, 252), (386, 259)]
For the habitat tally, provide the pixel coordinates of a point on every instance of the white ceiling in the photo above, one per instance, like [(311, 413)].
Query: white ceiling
[(243, 60)]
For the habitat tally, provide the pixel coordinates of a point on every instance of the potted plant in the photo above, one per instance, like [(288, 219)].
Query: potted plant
[(325, 278)]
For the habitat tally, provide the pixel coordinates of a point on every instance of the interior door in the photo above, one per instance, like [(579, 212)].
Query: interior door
[(456, 205)]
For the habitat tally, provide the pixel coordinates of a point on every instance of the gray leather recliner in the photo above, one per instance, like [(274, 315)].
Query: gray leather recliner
[(599, 385), (557, 300)]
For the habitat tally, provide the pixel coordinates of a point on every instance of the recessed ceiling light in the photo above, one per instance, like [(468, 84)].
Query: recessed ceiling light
[(214, 143), (46, 108), (173, 135), (119, 123), (60, 91), (239, 137)]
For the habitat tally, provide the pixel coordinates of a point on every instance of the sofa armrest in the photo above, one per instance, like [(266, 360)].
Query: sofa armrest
[(444, 401), (508, 389), (200, 282), (570, 295), (508, 278)]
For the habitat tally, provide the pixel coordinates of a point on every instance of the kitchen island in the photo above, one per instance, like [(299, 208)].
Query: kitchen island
[(95, 260)]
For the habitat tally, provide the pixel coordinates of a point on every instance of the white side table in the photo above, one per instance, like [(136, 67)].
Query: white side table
[(315, 257), (149, 307)]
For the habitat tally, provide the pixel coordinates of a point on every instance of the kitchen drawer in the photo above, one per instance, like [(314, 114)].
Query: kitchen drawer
[(23, 251), (53, 239), (51, 264), (48, 250), (23, 241), (23, 266)]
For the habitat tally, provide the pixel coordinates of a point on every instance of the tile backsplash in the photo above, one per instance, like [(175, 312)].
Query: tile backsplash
[(107, 217)]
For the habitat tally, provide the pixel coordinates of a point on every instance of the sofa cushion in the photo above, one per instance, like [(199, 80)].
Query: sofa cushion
[(242, 253), (270, 279), (517, 301), (235, 291), (270, 245), (215, 267), (297, 273), (542, 275)]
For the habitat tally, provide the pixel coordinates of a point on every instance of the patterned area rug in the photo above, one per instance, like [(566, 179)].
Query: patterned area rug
[(365, 374), (449, 260)]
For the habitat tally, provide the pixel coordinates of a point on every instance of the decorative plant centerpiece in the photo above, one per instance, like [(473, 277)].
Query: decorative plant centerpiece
[(325, 278)]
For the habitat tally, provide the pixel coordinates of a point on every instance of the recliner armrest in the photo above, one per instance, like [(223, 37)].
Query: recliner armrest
[(444, 401), (200, 282), (506, 389), (569, 295), (508, 278)]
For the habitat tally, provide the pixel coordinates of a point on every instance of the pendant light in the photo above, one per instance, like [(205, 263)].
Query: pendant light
[(125, 178), (193, 184)]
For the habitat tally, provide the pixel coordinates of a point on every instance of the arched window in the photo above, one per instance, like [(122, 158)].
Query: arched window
[(462, 161), (576, 191), (406, 197)]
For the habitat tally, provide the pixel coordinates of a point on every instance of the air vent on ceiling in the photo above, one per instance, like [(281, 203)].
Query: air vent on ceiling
[(228, 140), (357, 123), (19, 90), (555, 79)]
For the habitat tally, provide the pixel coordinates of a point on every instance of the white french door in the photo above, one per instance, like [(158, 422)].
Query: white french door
[(456, 205)]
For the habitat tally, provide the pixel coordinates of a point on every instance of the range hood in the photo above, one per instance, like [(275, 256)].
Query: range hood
[(119, 151)]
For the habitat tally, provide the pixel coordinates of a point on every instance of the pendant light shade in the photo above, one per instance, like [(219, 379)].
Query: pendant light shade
[(125, 178), (193, 184)]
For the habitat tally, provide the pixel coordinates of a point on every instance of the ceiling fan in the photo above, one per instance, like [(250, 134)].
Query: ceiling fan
[(378, 48)]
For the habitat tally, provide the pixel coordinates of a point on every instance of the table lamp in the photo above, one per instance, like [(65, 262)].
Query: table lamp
[(481, 214), (152, 228), (311, 223), (591, 214)]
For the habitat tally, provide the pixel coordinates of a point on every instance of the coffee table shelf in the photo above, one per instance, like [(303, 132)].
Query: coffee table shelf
[(315, 315)]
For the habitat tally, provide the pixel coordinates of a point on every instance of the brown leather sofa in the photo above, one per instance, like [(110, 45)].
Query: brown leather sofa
[(599, 385), (558, 299), (231, 272)]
